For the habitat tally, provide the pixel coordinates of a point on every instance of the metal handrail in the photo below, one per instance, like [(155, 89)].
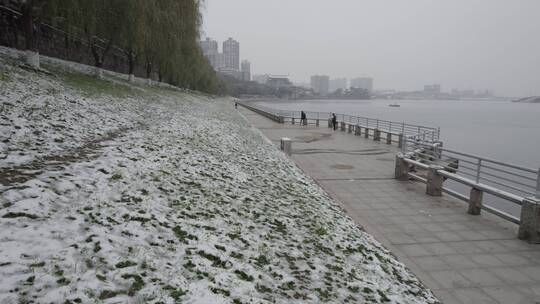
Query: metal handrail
[(385, 126), (511, 182)]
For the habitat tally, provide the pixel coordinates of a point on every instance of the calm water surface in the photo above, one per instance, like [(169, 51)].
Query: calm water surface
[(501, 130)]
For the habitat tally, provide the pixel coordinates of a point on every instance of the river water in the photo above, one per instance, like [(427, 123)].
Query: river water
[(501, 130)]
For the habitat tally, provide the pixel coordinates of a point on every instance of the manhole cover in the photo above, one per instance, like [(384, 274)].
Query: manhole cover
[(342, 167)]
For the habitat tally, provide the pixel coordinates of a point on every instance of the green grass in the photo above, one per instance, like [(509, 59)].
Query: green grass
[(90, 86), (3, 75)]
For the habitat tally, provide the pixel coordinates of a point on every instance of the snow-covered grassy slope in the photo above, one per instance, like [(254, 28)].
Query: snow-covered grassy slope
[(119, 193)]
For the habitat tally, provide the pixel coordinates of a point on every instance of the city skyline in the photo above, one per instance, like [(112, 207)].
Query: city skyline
[(477, 44)]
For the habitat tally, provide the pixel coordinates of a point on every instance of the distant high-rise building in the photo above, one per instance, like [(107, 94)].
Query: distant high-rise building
[(231, 54), (246, 70), (365, 83), (210, 51), (338, 83), (432, 89), (320, 84)]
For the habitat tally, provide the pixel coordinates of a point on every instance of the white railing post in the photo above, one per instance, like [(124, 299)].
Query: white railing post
[(377, 123), (478, 170), (402, 168), (403, 143)]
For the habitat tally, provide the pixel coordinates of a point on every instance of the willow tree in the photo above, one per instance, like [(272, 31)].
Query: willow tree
[(100, 23), (133, 30), (30, 15)]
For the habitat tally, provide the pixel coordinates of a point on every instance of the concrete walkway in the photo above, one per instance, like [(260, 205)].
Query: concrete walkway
[(462, 258)]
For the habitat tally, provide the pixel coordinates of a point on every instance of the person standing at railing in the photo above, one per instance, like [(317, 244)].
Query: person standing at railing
[(303, 119), (236, 105), (334, 121)]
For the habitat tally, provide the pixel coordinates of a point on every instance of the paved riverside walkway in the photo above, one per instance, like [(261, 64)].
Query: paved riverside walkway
[(462, 258)]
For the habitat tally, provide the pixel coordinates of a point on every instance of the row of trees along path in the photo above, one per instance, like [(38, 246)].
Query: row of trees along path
[(161, 35)]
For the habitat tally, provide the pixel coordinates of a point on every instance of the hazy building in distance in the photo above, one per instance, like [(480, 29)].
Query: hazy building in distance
[(262, 79), (278, 81), (365, 83), (210, 51), (231, 54), (338, 83), (320, 84), (432, 89), (246, 70)]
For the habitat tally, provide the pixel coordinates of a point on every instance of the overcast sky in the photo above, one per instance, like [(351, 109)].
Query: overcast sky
[(402, 44)]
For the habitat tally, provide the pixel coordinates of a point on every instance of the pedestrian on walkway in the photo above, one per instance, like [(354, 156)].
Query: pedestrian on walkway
[(334, 121), (303, 119), (236, 105)]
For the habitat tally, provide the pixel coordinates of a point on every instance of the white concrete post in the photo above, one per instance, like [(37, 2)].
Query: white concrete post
[(400, 140), (32, 59), (317, 122), (342, 126), (350, 128), (475, 201), (99, 72), (366, 134), (388, 138), (435, 181), (529, 229), (377, 135), (292, 120), (131, 78), (286, 145), (402, 168)]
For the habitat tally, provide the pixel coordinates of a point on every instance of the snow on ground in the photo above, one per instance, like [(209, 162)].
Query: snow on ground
[(138, 194)]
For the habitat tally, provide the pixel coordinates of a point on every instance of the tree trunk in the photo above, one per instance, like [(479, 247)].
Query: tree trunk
[(148, 71), (28, 24), (98, 61), (131, 63), (32, 54)]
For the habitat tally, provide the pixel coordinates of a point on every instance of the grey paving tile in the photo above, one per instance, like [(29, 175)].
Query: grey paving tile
[(513, 259), (465, 247), (533, 272), (448, 236), (473, 296), (491, 246), (431, 263), (413, 250), (446, 297), (440, 248), (460, 261), (487, 260), (450, 279), (512, 276), (481, 277), (507, 294)]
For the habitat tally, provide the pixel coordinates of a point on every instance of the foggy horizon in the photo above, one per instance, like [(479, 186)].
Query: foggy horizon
[(478, 44)]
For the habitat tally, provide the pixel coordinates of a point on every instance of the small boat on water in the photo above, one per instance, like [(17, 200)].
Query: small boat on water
[(395, 105)]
